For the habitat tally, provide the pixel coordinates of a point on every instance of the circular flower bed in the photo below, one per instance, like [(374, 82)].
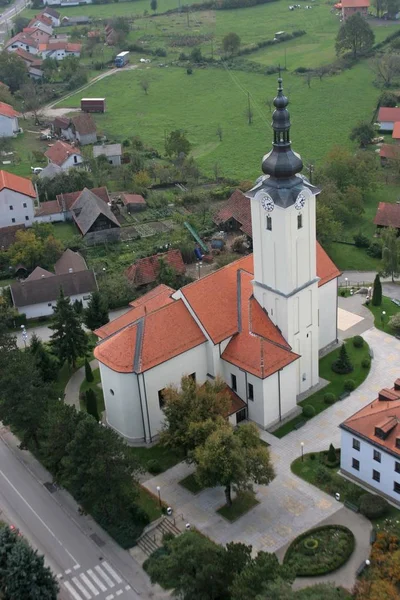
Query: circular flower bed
[(320, 550)]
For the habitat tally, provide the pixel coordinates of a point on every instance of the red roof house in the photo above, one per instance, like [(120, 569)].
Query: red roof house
[(133, 202), (64, 155), (235, 214), (387, 215), (9, 181), (387, 117), (388, 152), (146, 270), (351, 7)]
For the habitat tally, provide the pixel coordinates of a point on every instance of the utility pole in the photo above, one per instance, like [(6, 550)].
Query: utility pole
[(187, 14)]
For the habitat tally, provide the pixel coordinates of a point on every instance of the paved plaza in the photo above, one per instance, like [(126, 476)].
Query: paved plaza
[(289, 505)]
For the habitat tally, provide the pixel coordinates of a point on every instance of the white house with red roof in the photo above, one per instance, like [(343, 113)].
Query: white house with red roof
[(24, 41), (387, 117), (17, 200), (8, 120), (256, 322), (64, 155)]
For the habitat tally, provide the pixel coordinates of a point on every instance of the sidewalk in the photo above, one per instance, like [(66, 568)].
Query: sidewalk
[(74, 385)]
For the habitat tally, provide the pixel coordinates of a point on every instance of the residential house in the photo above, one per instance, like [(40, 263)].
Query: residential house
[(52, 14), (37, 34), (389, 153), (81, 128), (396, 132), (64, 155), (35, 73), (49, 212), (37, 295), (61, 127), (32, 62), (61, 208), (72, 21), (66, 201), (17, 200), (92, 214), (42, 22), (145, 270), (235, 215), (387, 117), (111, 35), (133, 202), (9, 126), (113, 153), (8, 235), (351, 7), (70, 262), (370, 445), (387, 215), (24, 41), (59, 49)]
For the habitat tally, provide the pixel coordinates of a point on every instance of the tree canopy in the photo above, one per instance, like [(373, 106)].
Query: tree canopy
[(13, 71), (390, 253), (355, 35), (31, 249), (177, 143), (231, 43), (96, 313), (68, 341)]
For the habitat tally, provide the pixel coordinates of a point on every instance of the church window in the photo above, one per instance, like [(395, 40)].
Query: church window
[(299, 221), (233, 382), (251, 392), (161, 399), (112, 392), (269, 223)]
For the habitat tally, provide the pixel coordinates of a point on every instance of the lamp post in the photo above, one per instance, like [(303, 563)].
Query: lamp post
[(24, 335), (346, 280), (159, 495), (383, 318), (199, 265), (302, 451)]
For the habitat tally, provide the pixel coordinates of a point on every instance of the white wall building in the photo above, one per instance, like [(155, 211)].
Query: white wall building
[(17, 200), (9, 126), (64, 155), (256, 322), (370, 445)]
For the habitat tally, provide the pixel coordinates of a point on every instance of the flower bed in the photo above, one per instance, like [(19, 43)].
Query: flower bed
[(321, 550)]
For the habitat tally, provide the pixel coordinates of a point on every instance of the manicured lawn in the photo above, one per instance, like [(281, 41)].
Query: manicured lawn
[(336, 385), (191, 484), (164, 456), (382, 321), (349, 258), (93, 385), (65, 232), (149, 503), (240, 506), (5, 282)]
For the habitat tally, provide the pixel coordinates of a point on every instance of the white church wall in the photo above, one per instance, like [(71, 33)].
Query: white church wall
[(328, 299), (122, 402)]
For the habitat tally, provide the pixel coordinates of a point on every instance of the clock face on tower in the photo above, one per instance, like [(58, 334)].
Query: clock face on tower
[(266, 202), (300, 201)]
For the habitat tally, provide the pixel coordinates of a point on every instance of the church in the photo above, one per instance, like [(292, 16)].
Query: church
[(259, 323)]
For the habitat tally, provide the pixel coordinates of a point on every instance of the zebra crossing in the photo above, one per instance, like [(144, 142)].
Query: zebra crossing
[(94, 583)]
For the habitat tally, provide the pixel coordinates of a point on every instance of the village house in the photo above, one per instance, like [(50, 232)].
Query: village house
[(113, 153), (81, 128), (50, 171), (235, 215), (61, 209), (52, 14), (9, 126), (387, 215), (387, 117), (37, 34), (17, 200), (91, 214), (133, 202), (24, 41), (145, 270), (60, 49), (389, 153), (351, 7), (42, 22), (64, 155), (259, 322), (370, 445)]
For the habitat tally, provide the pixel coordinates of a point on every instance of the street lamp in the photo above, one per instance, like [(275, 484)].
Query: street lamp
[(199, 265), (24, 334), (383, 318), (302, 451), (346, 280), (367, 562), (159, 494)]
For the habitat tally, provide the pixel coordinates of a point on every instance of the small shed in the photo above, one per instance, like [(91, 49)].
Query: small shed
[(133, 202), (113, 153)]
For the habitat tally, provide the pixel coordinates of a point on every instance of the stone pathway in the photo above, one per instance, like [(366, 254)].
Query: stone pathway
[(74, 385), (289, 505)]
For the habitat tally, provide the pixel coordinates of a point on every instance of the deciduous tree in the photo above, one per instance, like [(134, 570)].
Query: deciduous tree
[(176, 143), (355, 35), (96, 313), (264, 568), (390, 253), (328, 228), (363, 133), (68, 341), (386, 68), (13, 71), (153, 5), (31, 250), (231, 43)]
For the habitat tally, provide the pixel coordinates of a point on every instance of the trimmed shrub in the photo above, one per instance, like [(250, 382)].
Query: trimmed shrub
[(329, 398), (366, 363), (331, 457), (349, 385), (322, 475), (308, 411), (154, 467), (358, 341), (343, 293), (167, 537), (342, 364), (361, 240), (312, 456), (373, 506), (310, 546)]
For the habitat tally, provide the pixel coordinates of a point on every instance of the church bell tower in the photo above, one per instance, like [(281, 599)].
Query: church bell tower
[(284, 245)]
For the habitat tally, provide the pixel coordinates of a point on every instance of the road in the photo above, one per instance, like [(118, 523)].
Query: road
[(5, 19), (51, 523)]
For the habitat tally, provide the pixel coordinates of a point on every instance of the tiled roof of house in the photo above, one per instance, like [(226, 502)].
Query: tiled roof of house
[(382, 417), (355, 3), (153, 339), (236, 402), (84, 123), (24, 38), (7, 235), (107, 150), (60, 45), (27, 56), (48, 208), (16, 183), (387, 215), (396, 131), (39, 273), (66, 201), (159, 296), (133, 199), (6, 110), (388, 114), (52, 12), (61, 122), (391, 151), (326, 268), (87, 208), (145, 270), (70, 260), (48, 288), (238, 208), (43, 19), (60, 152)]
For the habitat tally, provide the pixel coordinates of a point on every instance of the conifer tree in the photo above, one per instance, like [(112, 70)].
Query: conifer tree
[(377, 292), (88, 371), (68, 341), (331, 454), (96, 313), (91, 404), (343, 364), (46, 363)]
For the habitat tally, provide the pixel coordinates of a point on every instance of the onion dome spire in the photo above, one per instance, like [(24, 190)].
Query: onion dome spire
[(281, 162)]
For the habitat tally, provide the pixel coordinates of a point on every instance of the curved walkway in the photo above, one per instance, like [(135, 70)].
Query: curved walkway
[(74, 385)]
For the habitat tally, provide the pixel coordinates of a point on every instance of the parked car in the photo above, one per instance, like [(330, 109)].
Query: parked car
[(36, 170), (45, 136)]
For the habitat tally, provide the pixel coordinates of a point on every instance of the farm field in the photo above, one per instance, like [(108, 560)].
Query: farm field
[(322, 115)]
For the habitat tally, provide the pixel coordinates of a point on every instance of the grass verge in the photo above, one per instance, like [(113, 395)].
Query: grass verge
[(191, 484), (382, 321), (149, 503), (165, 457), (336, 385), (243, 502)]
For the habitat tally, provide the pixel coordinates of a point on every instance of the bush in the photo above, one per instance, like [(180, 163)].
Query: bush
[(361, 240), (167, 537), (358, 341), (343, 293), (310, 546), (366, 363), (322, 475), (342, 365), (312, 456), (308, 411), (189, 71), (160, 52), (329, 398), (375, 250), (373, 506), (154, 467), (349, 385)]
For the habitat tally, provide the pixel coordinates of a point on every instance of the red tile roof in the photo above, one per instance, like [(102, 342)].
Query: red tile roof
[(355, 3), (48, 208), (43, 19), (59, 153), (155, 338), (6, 110), (133, 199), (66, 201), (326, 268), (387, 215), (396, 131), (16, 183), (84, 123), (145, 270), (24, 39), (238, 208), (390, 151), (159, 296), (383, 414), (388, 115), (26, 56)]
